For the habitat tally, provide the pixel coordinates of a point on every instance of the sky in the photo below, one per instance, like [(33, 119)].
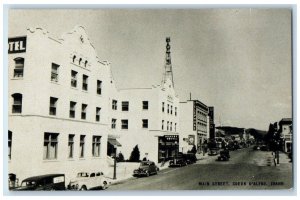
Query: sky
[(237, 60)]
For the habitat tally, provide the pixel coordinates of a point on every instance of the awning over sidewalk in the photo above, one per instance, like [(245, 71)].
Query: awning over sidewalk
[(114, 142)]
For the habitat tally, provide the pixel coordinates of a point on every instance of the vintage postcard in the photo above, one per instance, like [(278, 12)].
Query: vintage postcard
[(150, 99)]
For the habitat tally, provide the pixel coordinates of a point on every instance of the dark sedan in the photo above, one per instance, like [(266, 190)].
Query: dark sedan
[(146, 168)]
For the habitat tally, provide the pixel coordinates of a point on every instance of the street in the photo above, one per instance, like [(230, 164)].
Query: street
[(246, 169)]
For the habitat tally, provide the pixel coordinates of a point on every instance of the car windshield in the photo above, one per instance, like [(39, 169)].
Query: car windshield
[(83, 174), (144, 164), (28, 183)]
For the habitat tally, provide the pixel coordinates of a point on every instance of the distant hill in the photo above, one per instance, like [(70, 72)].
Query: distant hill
[(257, 134)]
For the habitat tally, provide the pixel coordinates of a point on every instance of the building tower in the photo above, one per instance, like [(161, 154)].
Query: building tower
[(168, 73)]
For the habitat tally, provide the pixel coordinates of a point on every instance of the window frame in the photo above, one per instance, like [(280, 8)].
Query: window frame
[(49, 141), (72, 111), (99, 87), (124, 106), (74, 75), (19, 67), (53, 106), (98, 110), (82, 146), (83, 111), (54, 72), (124, 124), (85, 82), (71, 145), (145, 105), (17, 103), (145, 123), (96, 146)]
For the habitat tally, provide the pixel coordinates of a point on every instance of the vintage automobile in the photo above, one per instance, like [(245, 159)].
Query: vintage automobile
[(224, 155), (89, 181), (190, 158), (178, 161), (213, 151), (146, 168), (43, 182)]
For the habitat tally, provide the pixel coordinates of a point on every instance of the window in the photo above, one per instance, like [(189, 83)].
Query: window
[(74, 57), (85, 63), (125, 105), (9, 144), (79, 62), (74, 78), (162, 124), (54, 72), (171, 124), (85, 82), (71, 146), (124, 123), (96, 146), (83, 111), (53, 102), (72, 109), (175, 111), (98, 114), (175, 126), (50, 146), (81, 146), (168, 111), (19, 67), (99, 87), (145, 105), (163, 107), (171, 110), (167, 125), (113, 123), (114, 104), (145, 123), (17, 103)]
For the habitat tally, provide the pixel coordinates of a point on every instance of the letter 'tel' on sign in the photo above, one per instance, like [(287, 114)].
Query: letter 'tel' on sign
[(17, 45)]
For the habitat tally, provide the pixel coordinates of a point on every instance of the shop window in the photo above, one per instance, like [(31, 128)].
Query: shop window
[(50, 146), (96, 146), (53, 105), (17, 103), (19, 67)]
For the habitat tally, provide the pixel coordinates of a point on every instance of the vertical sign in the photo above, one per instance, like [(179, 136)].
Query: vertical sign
[(194, 115), (17, 45)]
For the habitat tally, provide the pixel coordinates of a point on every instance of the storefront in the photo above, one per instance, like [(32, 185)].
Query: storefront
[(168, 147)]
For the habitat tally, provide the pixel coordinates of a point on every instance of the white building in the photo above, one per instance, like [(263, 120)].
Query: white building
[(194, 124), (58, 104), (286, 131)]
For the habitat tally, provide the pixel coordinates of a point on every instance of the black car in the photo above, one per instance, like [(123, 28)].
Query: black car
[(224, 155), (178, 161), (146, 168), (43, 182), (190, 158)]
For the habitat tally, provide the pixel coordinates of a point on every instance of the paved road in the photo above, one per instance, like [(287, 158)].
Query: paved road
[(247, 169)]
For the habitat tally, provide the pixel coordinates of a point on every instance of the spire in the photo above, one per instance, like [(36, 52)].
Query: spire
[(168, 73)]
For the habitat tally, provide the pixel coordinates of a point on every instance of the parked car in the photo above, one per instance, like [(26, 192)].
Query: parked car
[(146, 168), (89, 181), (178, 161), (43, 182), (224, 155), (190, 158), (213, 151)]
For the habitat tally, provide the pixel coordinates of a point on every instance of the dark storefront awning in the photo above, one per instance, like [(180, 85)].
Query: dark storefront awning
[(114, 142)]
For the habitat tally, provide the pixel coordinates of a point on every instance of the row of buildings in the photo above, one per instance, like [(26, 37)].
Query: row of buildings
[(66, 114)]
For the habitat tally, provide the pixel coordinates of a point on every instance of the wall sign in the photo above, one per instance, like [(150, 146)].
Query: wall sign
[(16, 45)]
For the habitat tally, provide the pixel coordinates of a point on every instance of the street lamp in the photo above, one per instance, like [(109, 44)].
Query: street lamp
[(176, 149)]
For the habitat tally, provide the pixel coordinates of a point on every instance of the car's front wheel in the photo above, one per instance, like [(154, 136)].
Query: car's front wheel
[(104, 185), (83, 187)]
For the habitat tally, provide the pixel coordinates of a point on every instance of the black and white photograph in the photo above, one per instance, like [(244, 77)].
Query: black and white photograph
[(139, 99)]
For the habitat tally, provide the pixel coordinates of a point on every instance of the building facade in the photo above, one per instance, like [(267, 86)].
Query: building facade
[(58, 104), (286, 131), (194, 125)]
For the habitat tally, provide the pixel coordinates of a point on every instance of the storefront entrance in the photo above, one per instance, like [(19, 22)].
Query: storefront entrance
[(168, 147)]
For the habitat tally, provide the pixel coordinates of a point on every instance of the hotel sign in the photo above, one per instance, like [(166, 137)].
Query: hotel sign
[(17, 45)]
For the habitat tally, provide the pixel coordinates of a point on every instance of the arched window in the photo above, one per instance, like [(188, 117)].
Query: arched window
[(74, 57), (17, 103), (80, 59), (85, 63), (19, 67)]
